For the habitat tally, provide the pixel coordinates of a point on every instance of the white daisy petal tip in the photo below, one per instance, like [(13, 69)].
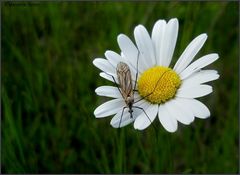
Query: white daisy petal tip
[(217, 55), (205, 112), (94, 62), (107, 52), (207, 116), (173, 20), (98, 90), (172, 130), (139, 26), (117, 124), (159, 22), (120, 36), (97, 60), (168, 122), (103, 65), (114, 124), (143, 121), (139, 123), (194, 91), (109, 108), (138, 126), (110, 53), (139, 30), (204, 36), (217, 76), (96, 113)]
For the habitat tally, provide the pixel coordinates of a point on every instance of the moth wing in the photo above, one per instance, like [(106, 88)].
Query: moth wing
[(125, 80)]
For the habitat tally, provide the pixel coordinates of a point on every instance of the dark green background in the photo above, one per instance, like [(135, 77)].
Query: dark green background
[(48, 83)]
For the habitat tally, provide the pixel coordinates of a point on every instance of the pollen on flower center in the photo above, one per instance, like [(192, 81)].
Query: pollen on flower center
[(158, 84)]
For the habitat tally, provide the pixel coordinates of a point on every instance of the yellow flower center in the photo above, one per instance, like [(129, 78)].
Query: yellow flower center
[(158, 84)]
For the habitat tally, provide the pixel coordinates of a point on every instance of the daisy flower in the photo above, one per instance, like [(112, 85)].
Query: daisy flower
[(169, 93)]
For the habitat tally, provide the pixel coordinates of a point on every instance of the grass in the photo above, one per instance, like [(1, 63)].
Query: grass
[(48, 83)]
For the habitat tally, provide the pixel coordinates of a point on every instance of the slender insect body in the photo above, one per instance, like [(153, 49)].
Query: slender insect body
[(129, 102), (125, 85)]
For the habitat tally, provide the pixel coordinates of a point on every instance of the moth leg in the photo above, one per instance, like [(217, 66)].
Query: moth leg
[(147, 116), (121, 116)]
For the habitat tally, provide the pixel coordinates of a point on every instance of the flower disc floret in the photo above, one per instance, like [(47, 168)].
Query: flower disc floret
[(158, 84)]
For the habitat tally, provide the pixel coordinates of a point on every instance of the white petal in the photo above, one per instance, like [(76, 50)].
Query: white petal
[(144, 121), (200, 78), (189, 53), (129, 51), (194, 91), (170, 39), (145, 46), (176, 112), (122, 55), (109, 108), (140, 103), (168, 122), (109, 77), (113, 57), (104, 65), (183, 106), (108, 91), (198, 64), (198, 108), (114, 79), (159, 40), (133, 69)]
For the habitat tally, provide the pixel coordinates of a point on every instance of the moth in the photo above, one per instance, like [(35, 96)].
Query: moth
[(125, 85)]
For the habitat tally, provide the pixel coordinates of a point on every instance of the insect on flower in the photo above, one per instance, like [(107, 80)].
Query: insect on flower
[(164, 91), (126, 88)]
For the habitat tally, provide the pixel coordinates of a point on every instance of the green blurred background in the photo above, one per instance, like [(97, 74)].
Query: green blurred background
[(48, 83)]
